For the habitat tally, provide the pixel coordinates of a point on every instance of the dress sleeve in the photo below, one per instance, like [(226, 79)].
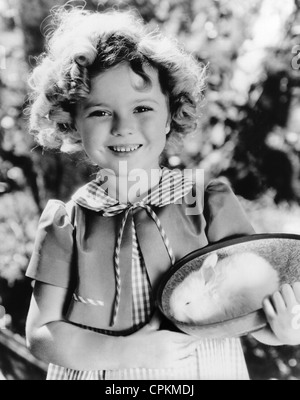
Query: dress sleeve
[(224, 214), (51, 261)]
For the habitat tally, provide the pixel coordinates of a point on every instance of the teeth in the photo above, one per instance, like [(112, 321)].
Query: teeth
[(122, 149)]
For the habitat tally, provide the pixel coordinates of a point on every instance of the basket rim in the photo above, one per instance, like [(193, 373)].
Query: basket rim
[(206, 250)]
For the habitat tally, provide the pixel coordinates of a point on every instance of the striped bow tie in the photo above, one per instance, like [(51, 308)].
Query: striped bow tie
[(173, 186)]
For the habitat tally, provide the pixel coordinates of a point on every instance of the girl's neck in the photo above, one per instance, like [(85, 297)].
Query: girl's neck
[(131, 188)]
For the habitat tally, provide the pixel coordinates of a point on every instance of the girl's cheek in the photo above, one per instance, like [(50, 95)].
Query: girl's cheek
[(91, 126), (96, 131), (153, 128)]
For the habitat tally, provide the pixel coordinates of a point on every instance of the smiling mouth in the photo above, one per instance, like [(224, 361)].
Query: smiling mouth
[(125, 149)]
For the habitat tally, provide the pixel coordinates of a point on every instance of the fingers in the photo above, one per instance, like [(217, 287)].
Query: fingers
[(269, 309), (288, 295), (282, 312), (186, 346), (189, 350), (296, 288), (153, 325), (155, 322), (178, 364), (185, 362), (278, 302), (282, 300)]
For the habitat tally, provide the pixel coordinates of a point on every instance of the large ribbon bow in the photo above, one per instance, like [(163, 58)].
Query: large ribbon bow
[(173, 186)]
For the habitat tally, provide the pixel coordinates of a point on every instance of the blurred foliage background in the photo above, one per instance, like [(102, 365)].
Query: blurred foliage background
[(249, 133)]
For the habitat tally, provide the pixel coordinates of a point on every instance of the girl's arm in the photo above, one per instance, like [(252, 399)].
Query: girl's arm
[(52, 339)]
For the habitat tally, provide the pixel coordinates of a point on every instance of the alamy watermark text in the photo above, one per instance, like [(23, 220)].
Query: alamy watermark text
[(296, 58)]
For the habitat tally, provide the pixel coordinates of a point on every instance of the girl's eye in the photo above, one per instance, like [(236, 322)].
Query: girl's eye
[(142, 109), (99, 113)]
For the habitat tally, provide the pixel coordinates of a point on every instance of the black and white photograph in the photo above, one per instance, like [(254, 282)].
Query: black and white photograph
[(150, 193)]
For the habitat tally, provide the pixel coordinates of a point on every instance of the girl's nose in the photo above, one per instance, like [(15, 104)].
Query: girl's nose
[(122, 127)]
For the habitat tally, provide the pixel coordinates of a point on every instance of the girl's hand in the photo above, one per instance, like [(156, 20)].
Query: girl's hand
[(283, 314), (154, 349)]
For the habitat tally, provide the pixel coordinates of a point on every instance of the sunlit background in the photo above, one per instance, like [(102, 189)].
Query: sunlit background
[(249, 134)]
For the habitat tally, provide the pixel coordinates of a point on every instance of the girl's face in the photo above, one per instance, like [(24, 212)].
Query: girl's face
[(121, 120)]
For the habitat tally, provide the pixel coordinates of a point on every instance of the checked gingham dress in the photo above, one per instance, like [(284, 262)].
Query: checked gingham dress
[(213, 360)]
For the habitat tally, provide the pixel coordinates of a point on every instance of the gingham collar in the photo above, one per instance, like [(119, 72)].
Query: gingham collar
[(173, 186)]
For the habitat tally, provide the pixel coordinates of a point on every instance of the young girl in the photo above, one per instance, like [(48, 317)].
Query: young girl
[(119, 92)]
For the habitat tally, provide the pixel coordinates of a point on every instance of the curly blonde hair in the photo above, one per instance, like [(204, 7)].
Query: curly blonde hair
[(84, 44)]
